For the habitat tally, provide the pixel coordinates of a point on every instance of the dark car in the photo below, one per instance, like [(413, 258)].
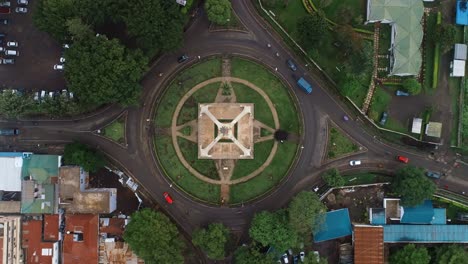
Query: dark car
[(8, 61), (4, 21), (183, 58), (291, 65), (384, 118), (433, 174)]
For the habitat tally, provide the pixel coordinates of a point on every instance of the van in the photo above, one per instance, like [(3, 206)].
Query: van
[(9, 131), (11, 53)]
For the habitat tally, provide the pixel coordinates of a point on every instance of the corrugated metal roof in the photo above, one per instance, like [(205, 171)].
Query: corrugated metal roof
[(460, 52), (426, 233), (368, 244), (440, 217), (11, 173), (377, 216), (337, 224), (462, 13), (421, 214)]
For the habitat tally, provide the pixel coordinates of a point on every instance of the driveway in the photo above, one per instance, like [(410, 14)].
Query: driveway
[(38, 52)]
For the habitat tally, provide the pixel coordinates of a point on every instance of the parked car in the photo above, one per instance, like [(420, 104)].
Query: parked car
[(2, 49), (183, 58), (8, 61), (355, 163), (43, 94), (23, 2), (66, 46), (302, 256), (285, 258), (296, 259), (2, 35), (36, 96), (402, 159), (4, 10), (433, 174), (9, 131), (70, 94), (58, 67), (51, 95), (11, 53), (291, 65), (401, 93), (5, 3), (4, 21), (168, 198), (62, 59), (12, 44), (384, 118), (21, 10)]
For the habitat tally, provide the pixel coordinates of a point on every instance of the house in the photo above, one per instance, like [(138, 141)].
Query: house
[(337, 224), (80, 239), (462, 13), (41, 239), (404, 17), (75, 196), (457, 66), (10, 239), (368, 244)]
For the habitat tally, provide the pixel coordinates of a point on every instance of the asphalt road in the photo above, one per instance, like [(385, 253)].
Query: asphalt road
[(137, 159)]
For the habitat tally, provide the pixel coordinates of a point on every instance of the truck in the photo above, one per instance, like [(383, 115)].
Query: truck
[(304, 85), (4, 10), (9, 131)]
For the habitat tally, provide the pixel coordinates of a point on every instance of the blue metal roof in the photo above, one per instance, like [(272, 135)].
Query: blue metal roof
[(421, 214), (462, 13), (11, 154), (426, 233), (440, 217), (337, 224), (378, 216)]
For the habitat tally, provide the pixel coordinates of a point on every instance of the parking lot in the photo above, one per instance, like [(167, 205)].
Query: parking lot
[(38, 53)]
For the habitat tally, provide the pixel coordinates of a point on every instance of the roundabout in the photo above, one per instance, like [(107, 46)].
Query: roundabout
[(219, 146)]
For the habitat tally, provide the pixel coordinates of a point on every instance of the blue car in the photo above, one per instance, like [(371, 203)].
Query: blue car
[(383, 120), (433, 174), (401, 93)]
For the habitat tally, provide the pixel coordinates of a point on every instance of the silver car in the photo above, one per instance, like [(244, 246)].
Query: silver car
[(23, 2), (8, 61), (13, 44), (21, 10)]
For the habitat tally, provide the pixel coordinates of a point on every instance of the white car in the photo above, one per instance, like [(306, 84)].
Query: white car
[(285, 258), (58, 67), (36, 96), (11, 53), (355, 163), (6, 3), (62, 60), (21, 10), (13, 44), (23, 2), (302, 256)]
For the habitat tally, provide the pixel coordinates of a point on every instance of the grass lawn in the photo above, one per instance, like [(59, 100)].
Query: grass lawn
[(181, 176), (189, 110), (182, 83), (352, 10), (233, 23), (204, 166), (429, 51), (115, 130), (246, 166), (268, 179), (365, 178), (454, 87), (287, 16), (262, 112), (380, 102), (339, 144), (273, 87)]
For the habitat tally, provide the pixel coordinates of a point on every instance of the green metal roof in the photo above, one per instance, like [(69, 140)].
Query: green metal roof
[(405, 17)]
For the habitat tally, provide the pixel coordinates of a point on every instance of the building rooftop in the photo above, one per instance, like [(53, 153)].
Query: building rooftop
[(80, 242), (368, 244), (10, 207), (377, 216), (11, 173), (421, 214), (460, 52), (36, 250), (462, 13), (337, 224), (434, 129), (426, 233), (112, 226), (51, 227)]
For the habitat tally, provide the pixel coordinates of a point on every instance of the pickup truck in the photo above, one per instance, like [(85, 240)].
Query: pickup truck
[(9, 131), (4, 10)]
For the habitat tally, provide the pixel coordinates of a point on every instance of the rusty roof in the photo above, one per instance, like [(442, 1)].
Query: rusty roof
[(1, 247), (51, 227), (112, 226), (368, 244), (80, 245), (33, 245)]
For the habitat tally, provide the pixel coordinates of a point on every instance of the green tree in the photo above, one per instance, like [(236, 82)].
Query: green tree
[(333, 178), (350, 40), (153, 237), (410, 254), (306, 213), (156, 25), (412, 86), (311, 258), (78, 29), (212, 240), (311, 29), (350, 86), (451, 254), (446, 35), (80, 154), (360, 63), (249, 255), (218, 11), (51, 16), (412, 185), (14, 105), (101, 71), (272, 229)]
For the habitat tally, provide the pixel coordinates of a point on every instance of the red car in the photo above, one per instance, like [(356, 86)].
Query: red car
[(402, 159), (168, 198)]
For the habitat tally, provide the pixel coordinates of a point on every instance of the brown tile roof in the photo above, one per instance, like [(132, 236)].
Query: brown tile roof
[(51, 227), (368, 245), (33, 245), (86, 250), (112, 226)]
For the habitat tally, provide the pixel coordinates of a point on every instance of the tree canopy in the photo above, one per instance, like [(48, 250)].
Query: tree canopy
[(249, 255), (306, 213), (13, 104), (272, 229), (218, 11), (311, 29), (154, 238), (311, 258), (412, 86), (333, 178), (82, 155), (410, 254), (446, 35), (101, 71), (412, 185), (212, 240), (350, 85), (451, 254)]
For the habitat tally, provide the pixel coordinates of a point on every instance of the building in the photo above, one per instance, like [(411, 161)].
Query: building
[(404, 17), (80, 241), (434, 129), (462, 13), (41, 239), (417, 125), (368, 244), (457, 66), (337, 224), (10, 239), (76, 197)]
